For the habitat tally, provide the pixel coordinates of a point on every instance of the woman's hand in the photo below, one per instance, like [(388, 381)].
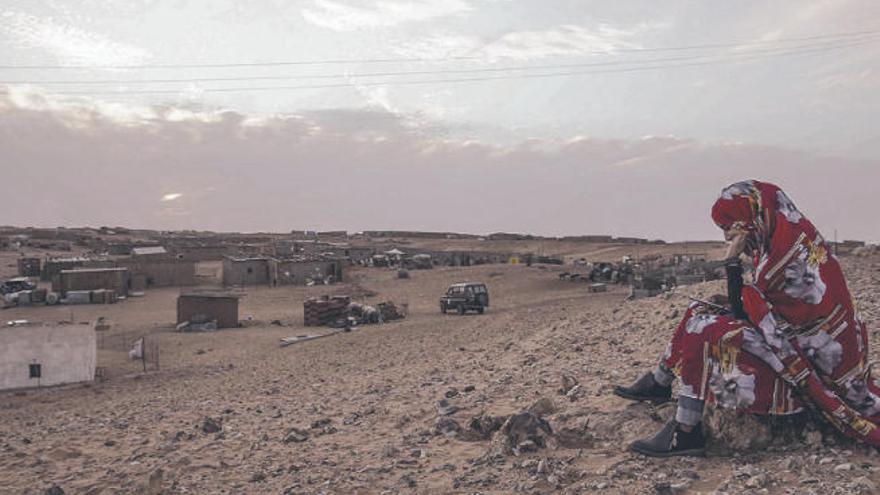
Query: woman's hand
[(737, 243)]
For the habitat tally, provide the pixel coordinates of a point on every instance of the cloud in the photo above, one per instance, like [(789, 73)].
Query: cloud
[(557, 41), (562, 41), (68, 44), (354, 170), (351, 16)]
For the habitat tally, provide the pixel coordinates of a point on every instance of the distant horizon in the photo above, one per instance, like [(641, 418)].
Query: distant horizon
[(396, 231)]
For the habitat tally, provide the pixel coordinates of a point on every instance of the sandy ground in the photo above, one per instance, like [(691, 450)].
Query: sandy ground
[(365, 400)]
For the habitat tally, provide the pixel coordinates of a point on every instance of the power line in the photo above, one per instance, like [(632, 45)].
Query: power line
[(843, 35), (411, 73), (732, 58)]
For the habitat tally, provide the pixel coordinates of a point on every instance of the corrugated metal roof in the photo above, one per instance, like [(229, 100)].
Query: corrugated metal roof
[(140, 251)]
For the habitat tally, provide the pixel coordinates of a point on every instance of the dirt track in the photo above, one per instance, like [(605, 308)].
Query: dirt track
[(378, 387)]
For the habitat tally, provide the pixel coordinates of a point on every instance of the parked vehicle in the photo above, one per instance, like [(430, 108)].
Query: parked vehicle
[(466, 296), (16, 285)]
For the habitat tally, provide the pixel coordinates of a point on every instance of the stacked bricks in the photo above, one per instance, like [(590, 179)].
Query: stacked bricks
[(324, 310)]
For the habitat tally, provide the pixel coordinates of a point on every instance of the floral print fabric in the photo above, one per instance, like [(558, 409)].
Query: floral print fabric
[(803, 340)]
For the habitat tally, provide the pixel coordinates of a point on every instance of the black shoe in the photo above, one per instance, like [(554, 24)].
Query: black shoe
[(645, 388), (672, 441)]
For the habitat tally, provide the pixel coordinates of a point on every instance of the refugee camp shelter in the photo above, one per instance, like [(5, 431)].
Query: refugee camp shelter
[(115, 279), (222, 307), (40, 355), (160, 271), (246, 271), (54, 266), (360, 254), (149, 251), (301, 271)]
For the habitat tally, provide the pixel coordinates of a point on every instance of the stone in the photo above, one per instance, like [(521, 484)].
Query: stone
[(757, 481), (452, 392), (408, 481), (523, 432), (863, 484), (542, 407), (813, 438), (257, 477), (444, 408), (567, 382), (574, 438), (210, 425), (730, 430), (482, 427), (154, 483), (843, 467), (295, 435), (446, 426), (54, 490)]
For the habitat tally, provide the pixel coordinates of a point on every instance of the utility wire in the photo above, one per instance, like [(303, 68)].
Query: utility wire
[(733, 58), (419, 72), (843, 35)]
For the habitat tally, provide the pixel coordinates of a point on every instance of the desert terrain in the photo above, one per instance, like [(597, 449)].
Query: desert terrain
[(232, 412)]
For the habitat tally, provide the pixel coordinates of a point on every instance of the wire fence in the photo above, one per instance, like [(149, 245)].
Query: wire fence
[(120, 354)]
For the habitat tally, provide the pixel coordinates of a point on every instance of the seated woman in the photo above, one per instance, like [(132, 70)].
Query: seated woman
[(792, 338)]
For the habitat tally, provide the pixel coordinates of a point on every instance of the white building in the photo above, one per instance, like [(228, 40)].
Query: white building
[(40, 355)]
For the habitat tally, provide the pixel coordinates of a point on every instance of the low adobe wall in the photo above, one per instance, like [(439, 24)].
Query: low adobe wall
[(64, 353)]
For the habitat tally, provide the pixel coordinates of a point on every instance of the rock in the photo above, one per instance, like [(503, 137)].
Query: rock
[(54, 490), (389, 451), (863, 484), (295, 435), (813, 438), (523, 432), (257, 477), (542, 407), (446, 426), (574, 438), (757, 481), (323, 426), (790, 464), (542, 467), (661, 488), (680, 488), (567, 382), (408, 481), (444, 408), (729, 430), (452, 392), (482, 427), (575, 393), (210, 425), (843, 467), (154, 483), (469, 388)]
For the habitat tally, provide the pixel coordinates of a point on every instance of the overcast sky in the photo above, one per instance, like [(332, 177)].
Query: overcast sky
[(620, 117)]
